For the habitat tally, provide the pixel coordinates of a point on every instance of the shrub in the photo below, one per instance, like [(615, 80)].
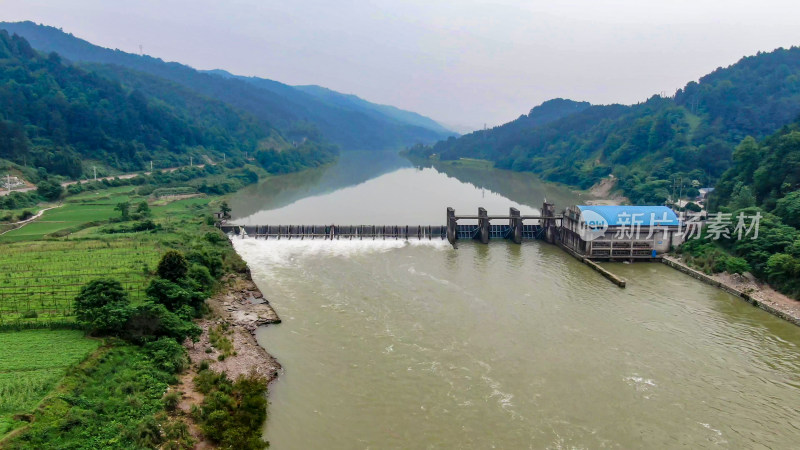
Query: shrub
[(151, 321), (694, 207), (202, 276), (232, 413), (173, 295), (145, 190), (208, 258), (173, 266), (168, 355), (736, 265), (102, 307), (49, 190)]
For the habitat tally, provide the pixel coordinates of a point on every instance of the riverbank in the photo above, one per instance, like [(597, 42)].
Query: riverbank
[(750, 290), (236, 312), (240, 308)]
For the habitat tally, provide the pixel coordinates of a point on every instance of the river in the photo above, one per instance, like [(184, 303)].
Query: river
[(392, 344)]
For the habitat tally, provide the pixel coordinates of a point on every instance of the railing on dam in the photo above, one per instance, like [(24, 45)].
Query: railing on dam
[(514, 230), (337, 231)]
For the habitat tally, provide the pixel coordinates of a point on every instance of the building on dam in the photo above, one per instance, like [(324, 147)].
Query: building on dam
[(620, 232)]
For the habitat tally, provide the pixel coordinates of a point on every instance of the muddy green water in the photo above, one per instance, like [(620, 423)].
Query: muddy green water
[(388, 344)]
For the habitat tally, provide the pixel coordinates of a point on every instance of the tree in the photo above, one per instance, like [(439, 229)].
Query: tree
[(172, 295), (150, 321), (102, 307), (124, 209), (225, 210), (173, 266), (143, 209), (50, 190), (788, 209)]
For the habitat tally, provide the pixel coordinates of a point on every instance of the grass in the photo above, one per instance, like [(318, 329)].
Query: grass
[(85, 208), (110, 401), (31, 366), (218, 339)]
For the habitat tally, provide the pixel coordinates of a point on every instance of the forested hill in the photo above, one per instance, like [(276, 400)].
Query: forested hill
[(648, 146), (355, 103), (64, 118), (273, 103)]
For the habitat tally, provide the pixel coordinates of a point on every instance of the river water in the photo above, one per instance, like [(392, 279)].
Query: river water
[(392, 344)]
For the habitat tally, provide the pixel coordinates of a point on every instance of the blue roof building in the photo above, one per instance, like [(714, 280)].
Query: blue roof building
[(620, 232), (625, 215)]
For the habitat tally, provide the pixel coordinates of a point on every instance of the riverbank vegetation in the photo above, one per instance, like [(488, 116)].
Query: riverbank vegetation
[(87, 266), (764, 180), (30, 368)]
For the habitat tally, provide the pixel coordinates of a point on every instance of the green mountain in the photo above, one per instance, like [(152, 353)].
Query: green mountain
[(355, 103), (764, 179), (651, 145), (61, 117), (289, 109)]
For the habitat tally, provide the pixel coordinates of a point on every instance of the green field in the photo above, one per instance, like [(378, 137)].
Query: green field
[(44, 264), (75, 213), (39, 280), (32, 363)]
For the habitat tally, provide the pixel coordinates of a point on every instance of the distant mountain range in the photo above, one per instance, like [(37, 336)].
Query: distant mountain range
[(652, 146), (346, 120), (58, 118)]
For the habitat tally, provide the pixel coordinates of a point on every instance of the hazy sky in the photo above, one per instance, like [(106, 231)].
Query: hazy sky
[(461, 62)]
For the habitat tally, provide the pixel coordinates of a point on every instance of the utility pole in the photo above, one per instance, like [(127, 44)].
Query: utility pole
[(8, 182), (151, 166), (191, 162), (95, 172)]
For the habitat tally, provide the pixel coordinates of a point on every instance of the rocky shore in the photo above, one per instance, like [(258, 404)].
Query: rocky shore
[(239, 309), (242, 308)]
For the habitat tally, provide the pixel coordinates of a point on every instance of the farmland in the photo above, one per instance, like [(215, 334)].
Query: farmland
[(44, 264), (114, 398), (39, 280), (32, 363)]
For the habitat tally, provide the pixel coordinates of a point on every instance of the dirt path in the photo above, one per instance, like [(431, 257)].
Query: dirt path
[(22, 223), (121, 177)]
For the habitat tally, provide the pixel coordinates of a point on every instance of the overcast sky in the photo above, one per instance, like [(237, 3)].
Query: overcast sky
[(462, 62)]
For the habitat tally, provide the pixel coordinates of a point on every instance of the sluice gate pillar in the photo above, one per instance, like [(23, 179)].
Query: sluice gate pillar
[(549, 222), (483, 226), (515, 223), (451, 226)]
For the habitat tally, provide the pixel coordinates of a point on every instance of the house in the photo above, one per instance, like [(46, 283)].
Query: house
[(704, 193), (620, 232)]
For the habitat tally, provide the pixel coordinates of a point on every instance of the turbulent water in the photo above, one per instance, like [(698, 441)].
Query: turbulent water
[(392, 344)]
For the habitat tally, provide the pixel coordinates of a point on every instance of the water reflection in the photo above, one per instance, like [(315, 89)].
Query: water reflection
[(351, 169), (385, 189)]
